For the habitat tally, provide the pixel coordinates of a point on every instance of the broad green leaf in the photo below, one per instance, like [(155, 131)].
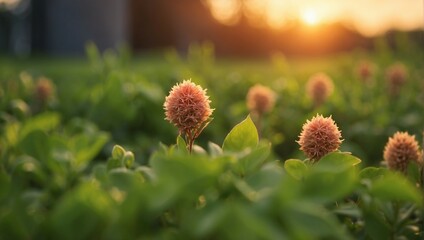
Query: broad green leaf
[(209, 220), (214, 149), (337, 161), (372, 173), (122, 177), (269, 176), (80, 213), (11, 133), (194, 172), (113, 163), (295, 168), (85, 147), (413, 172), (100, 172), (327, 186), (311, 221), (45, 122), (181, 144), (394, 186), (375, 225), (198, 150), (253, 159), (37, 145), (243, 135), (147, 173)]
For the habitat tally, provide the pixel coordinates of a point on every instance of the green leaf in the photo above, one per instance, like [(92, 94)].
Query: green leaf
[(80, 213), (295, 168), (147, 173), (413, 172), (194, 172), (100, 172), (243, 135), (118, 152), (372, 173), (85, 147), (394, 186), (37, 145), (122, 177), (270, 174), (337, 161), (327, 186), (181, 144), (113, 163), (252, 161), (310, 221), (27, 167), (375, 225), (45, 122), (11, 133), (214, 149)]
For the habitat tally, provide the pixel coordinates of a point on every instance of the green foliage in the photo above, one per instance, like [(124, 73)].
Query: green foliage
[(64, 176), (243, 135)]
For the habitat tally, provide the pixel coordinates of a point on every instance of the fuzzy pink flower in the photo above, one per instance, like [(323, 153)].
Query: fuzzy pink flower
[(260, 99), (44, 89), (365, 70), (319, 88), (396, 76), (319, 137), (400, 150), (187, 107)]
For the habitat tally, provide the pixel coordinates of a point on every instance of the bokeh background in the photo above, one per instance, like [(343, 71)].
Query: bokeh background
[(235, 27)]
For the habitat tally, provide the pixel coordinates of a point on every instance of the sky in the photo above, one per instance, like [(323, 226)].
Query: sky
[(369, 17)]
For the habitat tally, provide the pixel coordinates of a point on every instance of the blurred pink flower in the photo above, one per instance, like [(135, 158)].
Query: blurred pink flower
[(319, 87), (44, 89), (260, 99), (396, 76), (366, 70)]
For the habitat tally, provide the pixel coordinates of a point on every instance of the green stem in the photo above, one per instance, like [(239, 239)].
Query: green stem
[(190, 141), (259, 123)]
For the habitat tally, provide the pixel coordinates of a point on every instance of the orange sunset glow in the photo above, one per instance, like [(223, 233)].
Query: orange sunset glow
[(310, 17), (369, 17)]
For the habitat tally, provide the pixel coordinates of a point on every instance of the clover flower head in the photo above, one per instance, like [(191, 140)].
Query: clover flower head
[(187, 107), (260, 99), (319, 87), (319, 136), (44, 89), (401, 149), (396, 76), (365, 70)]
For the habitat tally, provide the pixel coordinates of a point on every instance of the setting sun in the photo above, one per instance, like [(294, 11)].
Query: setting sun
[(309, 17), (358, 14)]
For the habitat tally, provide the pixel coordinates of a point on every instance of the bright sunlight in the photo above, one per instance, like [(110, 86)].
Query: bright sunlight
[(310, 17), (360, 14)]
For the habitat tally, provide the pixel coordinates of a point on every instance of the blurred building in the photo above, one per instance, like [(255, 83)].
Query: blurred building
[(62, 27)]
